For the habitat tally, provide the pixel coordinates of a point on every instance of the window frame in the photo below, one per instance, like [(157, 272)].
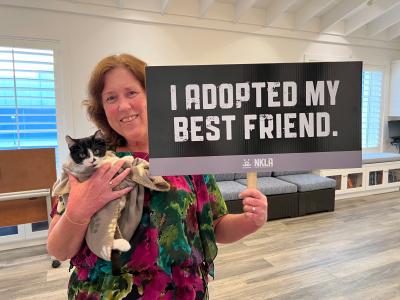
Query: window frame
[(64, 124), (24, 232), (383, 69), (377, 65), (63, 108)]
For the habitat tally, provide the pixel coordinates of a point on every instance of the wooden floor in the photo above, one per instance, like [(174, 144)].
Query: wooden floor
[(352, 253)]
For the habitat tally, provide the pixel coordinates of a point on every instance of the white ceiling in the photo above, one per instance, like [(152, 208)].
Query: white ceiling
[(373, 20), (368, 18)]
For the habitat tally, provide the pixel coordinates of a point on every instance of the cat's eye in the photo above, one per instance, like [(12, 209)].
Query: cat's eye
[(96, 152), (82, 155)]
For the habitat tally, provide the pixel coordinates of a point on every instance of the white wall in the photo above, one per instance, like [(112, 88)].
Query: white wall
[(81, 41)]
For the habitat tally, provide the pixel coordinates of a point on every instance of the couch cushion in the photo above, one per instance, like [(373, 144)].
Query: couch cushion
[(272, 186), (224, 177), (371, 158), (309, 182), (282, 173), (244, 175), (230, 189), (240, 176)]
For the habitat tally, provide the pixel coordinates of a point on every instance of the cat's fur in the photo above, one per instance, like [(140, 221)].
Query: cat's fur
[(114, 225), (87, 154)]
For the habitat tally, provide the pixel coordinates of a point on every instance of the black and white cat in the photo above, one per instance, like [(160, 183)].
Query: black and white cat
[(88, 154)]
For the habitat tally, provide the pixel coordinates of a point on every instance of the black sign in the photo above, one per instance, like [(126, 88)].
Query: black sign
[(261, 117)]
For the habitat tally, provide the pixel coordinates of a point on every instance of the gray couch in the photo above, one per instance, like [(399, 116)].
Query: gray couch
[(290, 194)]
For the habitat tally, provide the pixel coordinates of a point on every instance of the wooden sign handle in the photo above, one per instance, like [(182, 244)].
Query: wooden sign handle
[(252, 180)]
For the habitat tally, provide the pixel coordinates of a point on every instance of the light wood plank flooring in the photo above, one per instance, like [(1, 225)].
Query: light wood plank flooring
[(351, 253)]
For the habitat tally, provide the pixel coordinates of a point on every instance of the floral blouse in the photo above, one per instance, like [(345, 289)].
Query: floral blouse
[(172, 250)]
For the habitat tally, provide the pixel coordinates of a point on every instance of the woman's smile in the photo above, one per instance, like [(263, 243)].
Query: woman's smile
[(129, 118)]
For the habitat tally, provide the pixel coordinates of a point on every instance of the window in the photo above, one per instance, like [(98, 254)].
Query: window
[(27, 113), (372, 86), (27, 99), (8, 230), (372, 83)]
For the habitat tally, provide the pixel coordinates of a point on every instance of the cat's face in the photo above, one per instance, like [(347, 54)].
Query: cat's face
[(87, 151)]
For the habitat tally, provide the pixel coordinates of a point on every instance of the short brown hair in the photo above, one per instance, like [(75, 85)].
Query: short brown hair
[(94, 105)]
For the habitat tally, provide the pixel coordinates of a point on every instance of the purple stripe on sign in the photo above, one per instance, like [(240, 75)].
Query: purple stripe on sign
[(255, 163)]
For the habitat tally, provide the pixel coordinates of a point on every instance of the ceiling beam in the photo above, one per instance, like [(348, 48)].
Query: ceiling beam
[(204, 6), (164, 4), (383, 22), (84, 9), (394, 32), (372, 11), (241, 8), (276, 9), (310, 10), (339, 12)]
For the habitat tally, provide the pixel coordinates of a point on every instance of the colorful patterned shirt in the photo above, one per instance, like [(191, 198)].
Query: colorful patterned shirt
[(172, 250)]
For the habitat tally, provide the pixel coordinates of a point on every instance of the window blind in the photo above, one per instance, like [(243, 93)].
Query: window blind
[(27, 99), (372, 82)]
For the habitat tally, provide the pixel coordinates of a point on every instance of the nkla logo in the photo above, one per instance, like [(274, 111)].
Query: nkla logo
[(246, 163), (264, 162)]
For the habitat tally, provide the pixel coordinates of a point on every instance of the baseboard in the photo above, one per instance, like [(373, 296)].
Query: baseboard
[(365, 193), (24, 243)]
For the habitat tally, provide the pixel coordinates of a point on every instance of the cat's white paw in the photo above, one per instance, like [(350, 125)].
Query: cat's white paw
[(121, 245), (60, 207), (105, 252)]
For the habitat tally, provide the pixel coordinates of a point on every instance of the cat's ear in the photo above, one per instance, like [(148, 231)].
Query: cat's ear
[(70, 141), (98, 135)]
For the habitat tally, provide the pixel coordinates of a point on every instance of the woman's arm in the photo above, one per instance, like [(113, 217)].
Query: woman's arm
[(66, 232), (232, 227), (65, 238)]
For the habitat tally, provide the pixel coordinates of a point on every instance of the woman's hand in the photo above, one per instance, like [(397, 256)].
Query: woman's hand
[(232, 227), (86, 198), (255, 206)]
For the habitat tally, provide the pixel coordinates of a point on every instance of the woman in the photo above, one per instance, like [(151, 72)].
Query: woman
[(174, 246)]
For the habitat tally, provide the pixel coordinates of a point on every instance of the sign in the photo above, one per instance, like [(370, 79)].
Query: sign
[(252, 118)]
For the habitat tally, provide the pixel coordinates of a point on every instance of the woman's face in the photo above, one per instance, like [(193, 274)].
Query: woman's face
[(125, 105)]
